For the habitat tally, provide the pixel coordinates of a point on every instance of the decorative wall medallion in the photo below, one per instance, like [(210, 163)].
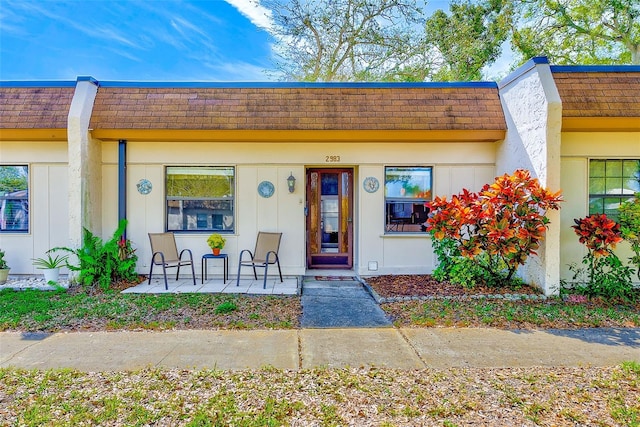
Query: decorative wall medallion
[(371, 184), (144, 186), (266, 189)]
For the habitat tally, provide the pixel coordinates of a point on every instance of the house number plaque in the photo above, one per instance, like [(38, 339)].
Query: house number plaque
[(332, 159)]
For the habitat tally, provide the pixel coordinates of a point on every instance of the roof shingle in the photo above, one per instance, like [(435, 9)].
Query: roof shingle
[(35, 107), (299, 108), (599, 94)]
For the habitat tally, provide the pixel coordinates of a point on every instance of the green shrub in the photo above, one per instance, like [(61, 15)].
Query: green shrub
[(446, 250), (605, 277), (630, 228), (226, 307), (468, 273), (3, 263), (102, 263)]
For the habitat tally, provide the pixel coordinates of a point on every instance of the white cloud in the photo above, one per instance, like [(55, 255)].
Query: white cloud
[(56, 14), (237, 71), (125, 54), (184, 26), (110, 34), (259, 15)]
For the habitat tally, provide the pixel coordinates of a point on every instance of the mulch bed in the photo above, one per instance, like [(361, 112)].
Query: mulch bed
[(117, 286), (391, 286)]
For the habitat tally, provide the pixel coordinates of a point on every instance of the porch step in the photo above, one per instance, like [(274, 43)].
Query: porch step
[(339, 304), (309, 284)]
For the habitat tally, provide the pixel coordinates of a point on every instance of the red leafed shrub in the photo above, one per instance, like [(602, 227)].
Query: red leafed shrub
[(598, 233), (499, 227), (606, 276)]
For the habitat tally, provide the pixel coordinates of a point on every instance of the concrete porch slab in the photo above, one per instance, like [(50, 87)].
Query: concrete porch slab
[(289, 286)]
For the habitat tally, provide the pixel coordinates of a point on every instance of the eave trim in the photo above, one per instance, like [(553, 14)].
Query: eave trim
[(58, 134), (601, 124), (271, 136)]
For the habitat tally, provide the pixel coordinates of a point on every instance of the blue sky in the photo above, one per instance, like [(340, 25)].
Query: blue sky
[(133, 40)]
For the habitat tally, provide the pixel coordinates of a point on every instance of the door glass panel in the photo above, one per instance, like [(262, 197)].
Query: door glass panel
[(329, 184), (313, 213), (345, 218), (329, 213)]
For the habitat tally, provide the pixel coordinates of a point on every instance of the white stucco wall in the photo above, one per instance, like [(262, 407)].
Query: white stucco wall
[(533, 112)]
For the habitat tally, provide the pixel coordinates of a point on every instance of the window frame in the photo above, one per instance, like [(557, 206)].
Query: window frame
[(620, 196), (415, 219), (232, 200), (27, 198)]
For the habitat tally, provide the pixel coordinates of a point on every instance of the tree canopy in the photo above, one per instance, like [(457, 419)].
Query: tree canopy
[(391, 40), (468, 38), (338, 40), (579, 31)]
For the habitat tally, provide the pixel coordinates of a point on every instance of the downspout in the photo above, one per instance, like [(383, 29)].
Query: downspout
[(122, 182)]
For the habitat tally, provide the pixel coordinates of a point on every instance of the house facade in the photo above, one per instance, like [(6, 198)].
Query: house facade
[(341, 169)]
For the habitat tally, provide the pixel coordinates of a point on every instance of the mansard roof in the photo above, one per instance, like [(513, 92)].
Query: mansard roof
[(595, 92), (464, 106), (29, 107), (599, 97)]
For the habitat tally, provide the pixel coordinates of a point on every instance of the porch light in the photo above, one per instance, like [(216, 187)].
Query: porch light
[(291, 183)]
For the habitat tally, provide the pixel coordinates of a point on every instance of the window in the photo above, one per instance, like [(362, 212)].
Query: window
[(611, 182), (406, 191), (200, 198), (14, 199)]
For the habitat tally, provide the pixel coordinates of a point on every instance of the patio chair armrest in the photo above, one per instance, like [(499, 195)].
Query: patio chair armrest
[(153, 258), (183, 251), (242, 253), (275, 254)]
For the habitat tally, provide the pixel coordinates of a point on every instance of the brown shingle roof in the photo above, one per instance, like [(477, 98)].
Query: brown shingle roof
[(599, 94), (299, 108), (35, 107)]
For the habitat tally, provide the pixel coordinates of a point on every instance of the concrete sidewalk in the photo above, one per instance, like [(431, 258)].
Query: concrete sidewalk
[(309, 348)]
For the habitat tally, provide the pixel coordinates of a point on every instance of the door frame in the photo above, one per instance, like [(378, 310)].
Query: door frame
[(312, 259)]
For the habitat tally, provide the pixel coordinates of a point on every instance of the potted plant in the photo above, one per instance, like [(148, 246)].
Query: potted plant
[(4, 269), (216, 242), (50, 265)]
